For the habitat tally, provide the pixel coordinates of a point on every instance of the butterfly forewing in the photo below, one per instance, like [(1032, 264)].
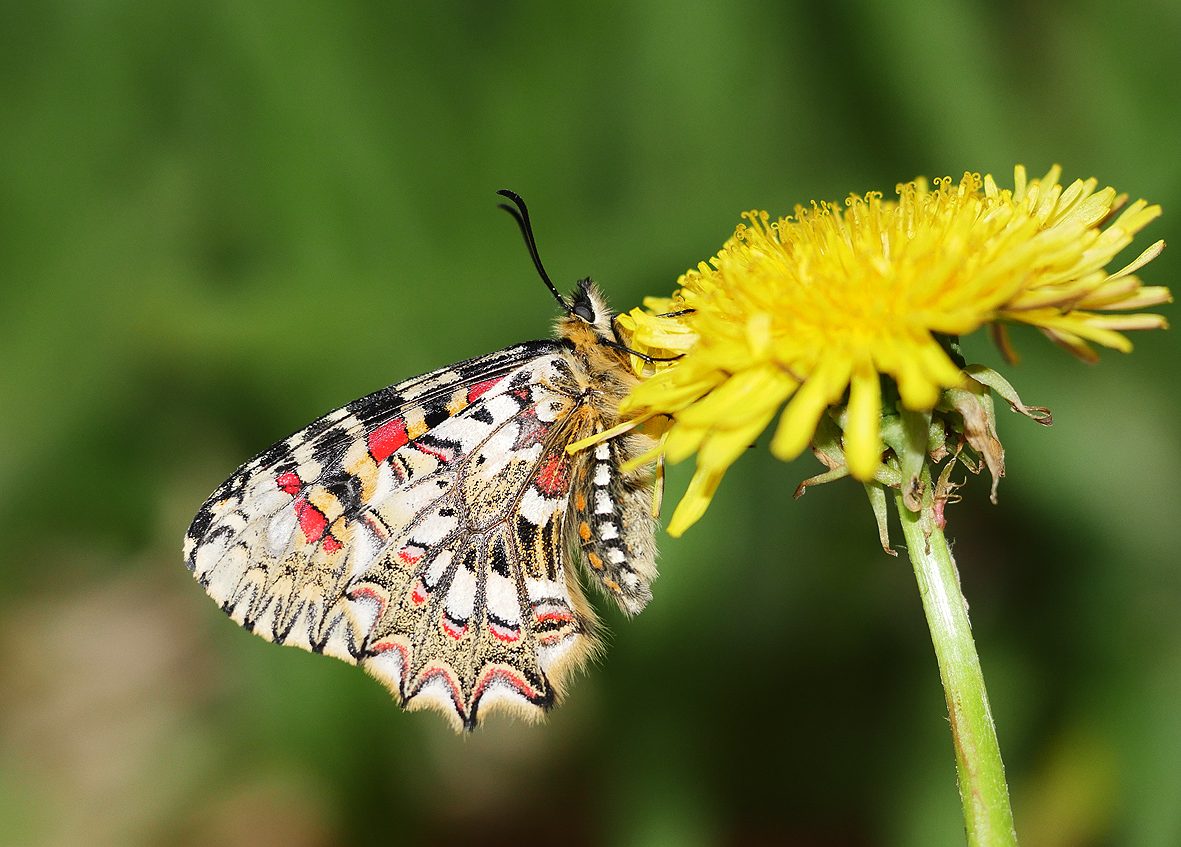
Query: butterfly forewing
[(418, 532)]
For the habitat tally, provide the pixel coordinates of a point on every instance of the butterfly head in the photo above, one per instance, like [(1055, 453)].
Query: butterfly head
[(588, 319), (589, 306)]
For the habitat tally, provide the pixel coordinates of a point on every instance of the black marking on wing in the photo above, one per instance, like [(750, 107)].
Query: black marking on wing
[(526, 530), (499, 557), (346, 488)]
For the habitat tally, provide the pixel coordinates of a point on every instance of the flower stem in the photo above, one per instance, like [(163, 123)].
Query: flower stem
[(988, 818)]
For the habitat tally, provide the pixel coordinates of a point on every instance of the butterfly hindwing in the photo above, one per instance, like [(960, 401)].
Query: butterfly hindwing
[(475, 596), (418, 532)]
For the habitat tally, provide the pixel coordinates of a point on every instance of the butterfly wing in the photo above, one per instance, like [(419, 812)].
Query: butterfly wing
[(418, 532)]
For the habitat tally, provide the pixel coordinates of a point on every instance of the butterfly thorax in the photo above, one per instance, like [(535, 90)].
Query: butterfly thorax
[(589, 332)]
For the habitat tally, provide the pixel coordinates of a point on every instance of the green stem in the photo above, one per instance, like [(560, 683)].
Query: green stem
[(985, 796)]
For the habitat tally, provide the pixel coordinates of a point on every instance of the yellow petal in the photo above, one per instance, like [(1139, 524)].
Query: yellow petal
[(683, 441), (669, 391), (750, 392), (1140, 261), (863, 447), (798, 422), (723, 447), (696, 500)]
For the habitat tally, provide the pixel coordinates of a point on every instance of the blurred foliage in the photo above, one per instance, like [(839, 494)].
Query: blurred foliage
[(219, 219)]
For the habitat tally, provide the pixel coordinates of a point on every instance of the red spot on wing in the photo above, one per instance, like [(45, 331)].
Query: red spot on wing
[(357, 594), (450, 629), (530, 430), (436, 672), (387, 646), (563, 617), (418, 596), (443, 456), (378, 528), (311, 520), (481, 388), (410, 555), (503, 633), (553, 476), (289, 482), (387, 438), (331, 544), (503, 675)]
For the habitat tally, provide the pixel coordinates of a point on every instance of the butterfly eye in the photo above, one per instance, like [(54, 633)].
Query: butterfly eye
[(585, 311)]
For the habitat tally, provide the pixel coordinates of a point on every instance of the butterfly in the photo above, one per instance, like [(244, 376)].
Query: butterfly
[(433, 532)]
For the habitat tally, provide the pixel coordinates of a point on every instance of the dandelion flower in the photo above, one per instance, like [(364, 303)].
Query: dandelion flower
[(851, 312)]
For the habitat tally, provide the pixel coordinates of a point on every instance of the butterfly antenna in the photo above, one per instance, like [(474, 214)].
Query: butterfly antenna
[(521, 216)]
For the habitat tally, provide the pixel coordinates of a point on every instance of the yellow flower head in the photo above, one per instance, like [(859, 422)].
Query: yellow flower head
[(830, 305)]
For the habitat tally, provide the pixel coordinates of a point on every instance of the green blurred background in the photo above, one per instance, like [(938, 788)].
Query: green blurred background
[(220, 219)]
